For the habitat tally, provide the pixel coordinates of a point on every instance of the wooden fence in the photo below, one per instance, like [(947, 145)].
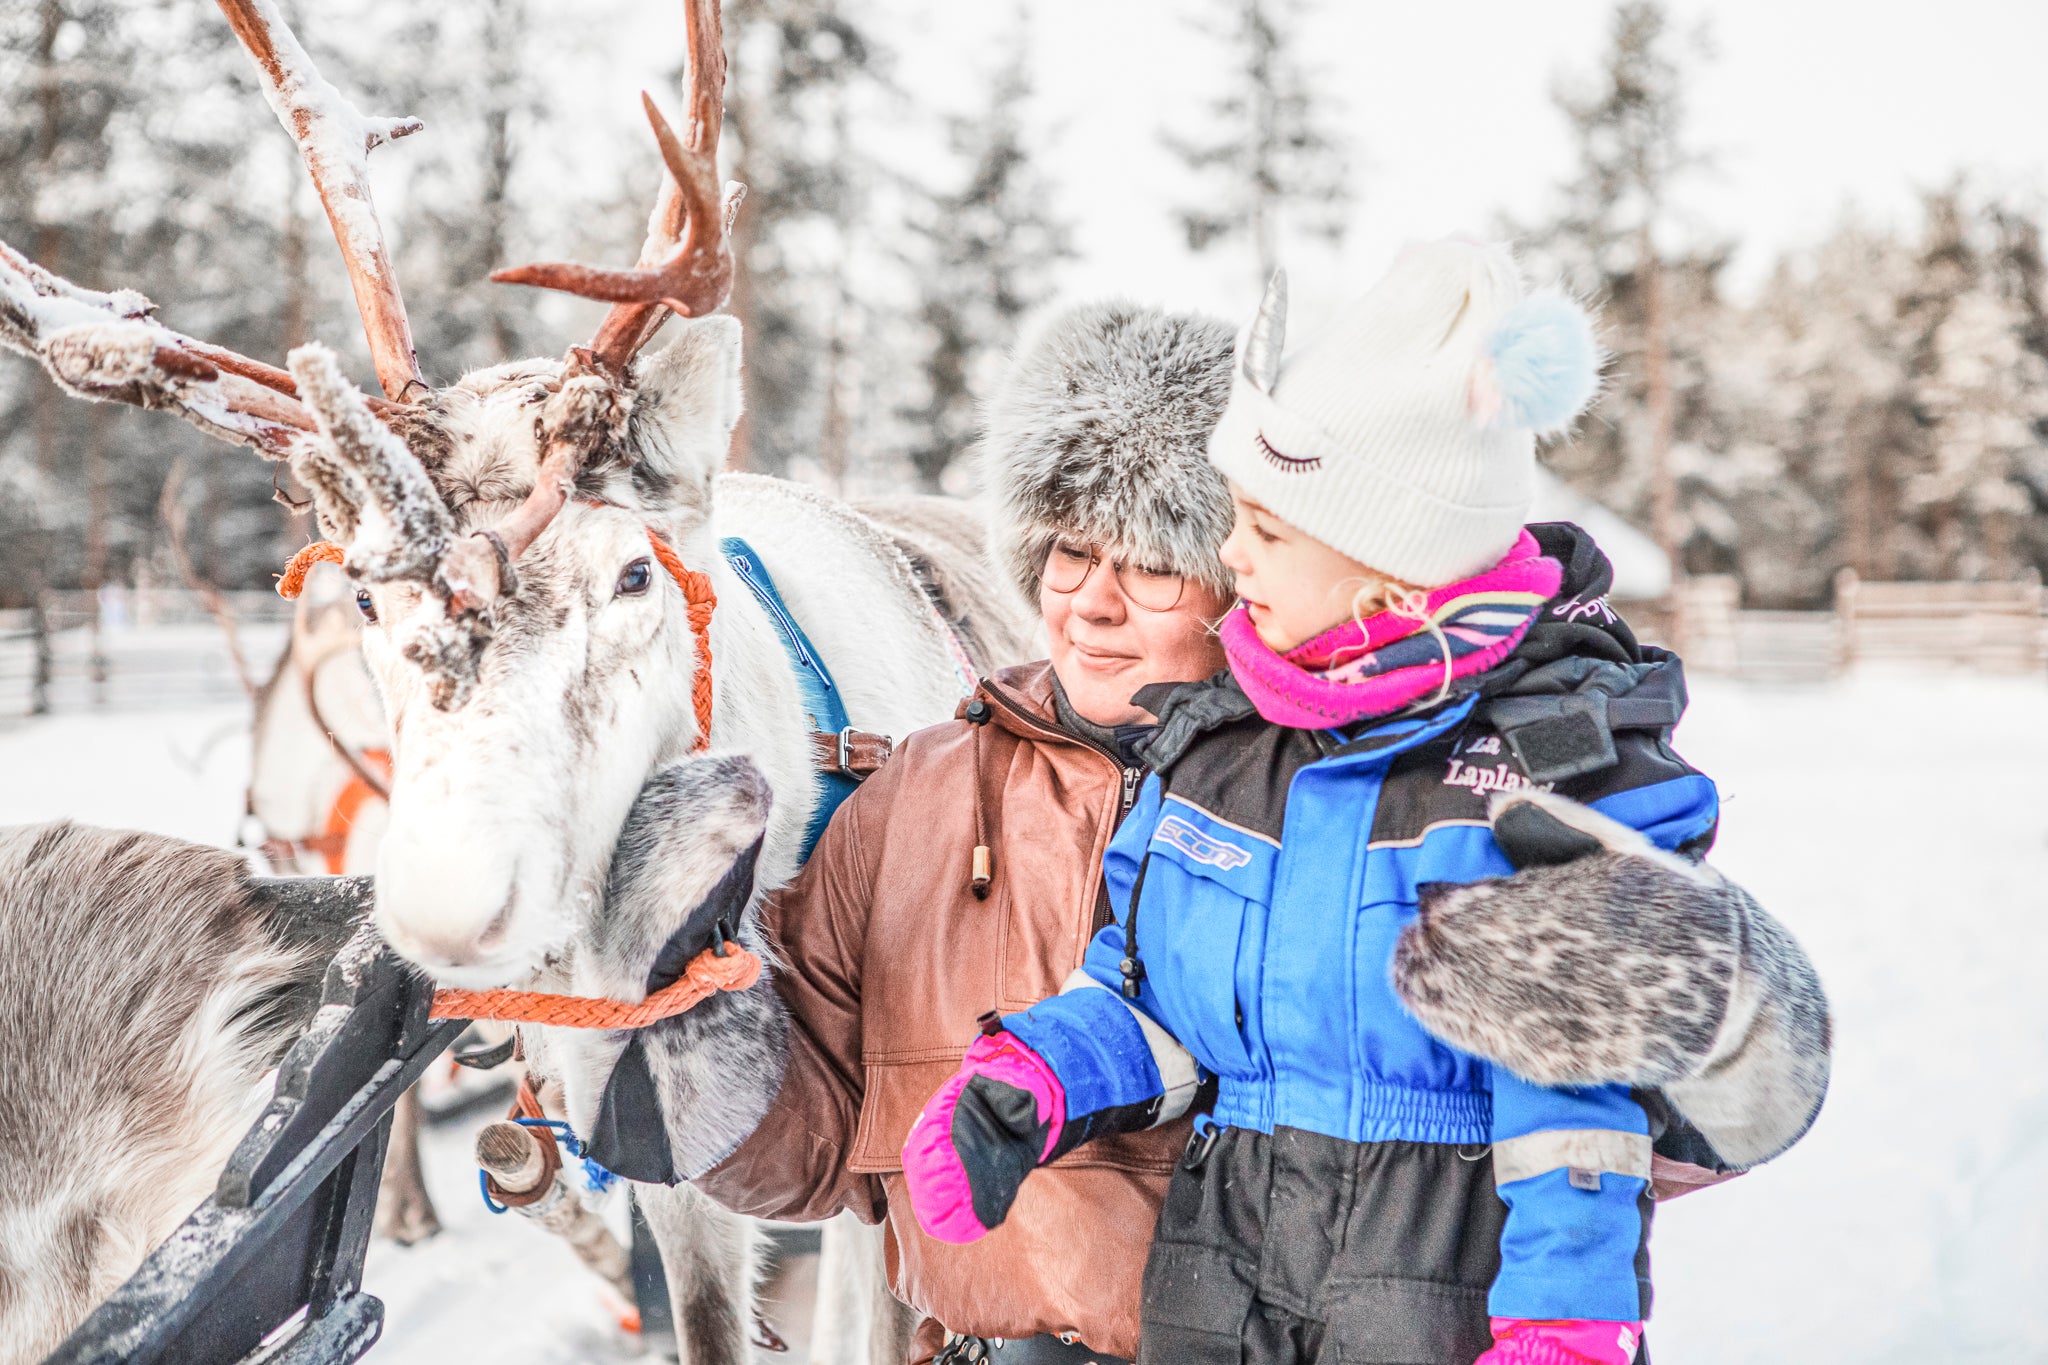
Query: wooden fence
[(1999, 628), (1991, 627), (164, 648), (139, 650)]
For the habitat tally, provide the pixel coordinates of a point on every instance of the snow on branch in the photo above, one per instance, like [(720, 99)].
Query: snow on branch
[(404, 526), (335, 140), (105, 346), (378, 131)]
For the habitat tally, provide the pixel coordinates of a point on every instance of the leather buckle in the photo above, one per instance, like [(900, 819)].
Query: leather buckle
[(850, 752)]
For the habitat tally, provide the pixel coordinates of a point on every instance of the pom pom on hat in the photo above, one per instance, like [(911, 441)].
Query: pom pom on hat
[(1545, 365)]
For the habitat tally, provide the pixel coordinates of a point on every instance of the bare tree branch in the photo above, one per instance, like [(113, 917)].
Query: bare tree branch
[(171, 508)]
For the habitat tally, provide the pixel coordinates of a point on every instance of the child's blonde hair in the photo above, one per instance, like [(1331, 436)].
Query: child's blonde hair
[(1389, 594)]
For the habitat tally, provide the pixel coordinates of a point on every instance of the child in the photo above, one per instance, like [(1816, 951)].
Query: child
[(1403, 648)]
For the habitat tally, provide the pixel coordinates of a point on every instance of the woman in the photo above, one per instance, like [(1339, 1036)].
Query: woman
[(965, 876)]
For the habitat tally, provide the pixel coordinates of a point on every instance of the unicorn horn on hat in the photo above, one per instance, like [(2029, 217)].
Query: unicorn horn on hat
[(1262, 346)]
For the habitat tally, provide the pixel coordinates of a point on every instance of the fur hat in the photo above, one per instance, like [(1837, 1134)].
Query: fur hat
[(1404, 433), (1100, 430)]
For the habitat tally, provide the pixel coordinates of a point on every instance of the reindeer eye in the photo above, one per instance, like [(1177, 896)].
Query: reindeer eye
[(365, 605), (635, 578)]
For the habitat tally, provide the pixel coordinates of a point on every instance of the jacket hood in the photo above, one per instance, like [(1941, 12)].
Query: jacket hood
[(1577, 620)]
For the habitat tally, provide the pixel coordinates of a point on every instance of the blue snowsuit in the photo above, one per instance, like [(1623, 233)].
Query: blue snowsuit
[(1258, 888)]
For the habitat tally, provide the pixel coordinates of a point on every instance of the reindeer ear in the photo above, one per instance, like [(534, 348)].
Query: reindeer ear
[(689, 401)]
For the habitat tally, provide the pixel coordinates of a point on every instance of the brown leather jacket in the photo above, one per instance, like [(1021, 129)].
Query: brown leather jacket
[(890, 961)]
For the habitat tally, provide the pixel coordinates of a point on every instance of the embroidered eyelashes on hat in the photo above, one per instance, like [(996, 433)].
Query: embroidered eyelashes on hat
[(1287, 464)]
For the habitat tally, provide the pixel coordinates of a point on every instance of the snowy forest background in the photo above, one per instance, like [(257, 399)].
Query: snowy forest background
[(1873, 397)]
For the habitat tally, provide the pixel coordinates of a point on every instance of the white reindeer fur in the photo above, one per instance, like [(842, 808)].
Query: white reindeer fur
[(295, 774), (505, 810)]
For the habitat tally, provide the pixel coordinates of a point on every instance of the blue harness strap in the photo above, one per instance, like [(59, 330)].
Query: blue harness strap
[(814, 683)]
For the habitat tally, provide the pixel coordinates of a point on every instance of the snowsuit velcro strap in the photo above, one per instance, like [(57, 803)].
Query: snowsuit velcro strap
[(1587, 1153), (1557, 738)]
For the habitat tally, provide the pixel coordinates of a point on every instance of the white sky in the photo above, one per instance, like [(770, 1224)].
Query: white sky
[(1810, 106)]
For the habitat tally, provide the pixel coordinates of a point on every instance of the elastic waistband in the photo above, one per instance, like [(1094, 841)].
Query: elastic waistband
[(1365, 1111)]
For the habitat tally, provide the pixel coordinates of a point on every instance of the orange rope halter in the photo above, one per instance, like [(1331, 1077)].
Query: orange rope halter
[(332, 842), (698, 594), (292, 581), (707, 973), (702, 600)]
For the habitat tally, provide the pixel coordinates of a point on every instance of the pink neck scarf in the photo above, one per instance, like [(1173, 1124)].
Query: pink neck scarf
[(1385, 663)]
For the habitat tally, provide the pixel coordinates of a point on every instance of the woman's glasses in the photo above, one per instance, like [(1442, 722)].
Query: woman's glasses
[(1069, 562)]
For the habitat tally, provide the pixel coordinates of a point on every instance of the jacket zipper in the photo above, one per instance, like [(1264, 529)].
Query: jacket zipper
[(1127, 797)]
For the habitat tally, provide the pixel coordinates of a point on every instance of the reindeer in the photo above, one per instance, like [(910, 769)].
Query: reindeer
[(150, 984), (537, 549), (320, 771)]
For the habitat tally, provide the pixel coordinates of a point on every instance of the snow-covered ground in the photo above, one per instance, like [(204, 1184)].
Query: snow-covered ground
[(179, 772), (1896, 822), (489, 1277), (1899, 825)]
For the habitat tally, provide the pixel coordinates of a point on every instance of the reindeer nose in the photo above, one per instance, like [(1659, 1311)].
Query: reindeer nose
[(441, 952), (441, 921), (434, 957)]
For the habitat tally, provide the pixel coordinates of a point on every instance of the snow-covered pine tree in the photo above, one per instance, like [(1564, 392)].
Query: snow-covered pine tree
[(791, 64), (1607, 241), (1880, 407), (1979, 389), (61, 69), (990, 244), (1852, 373), (462, 213), (1807, 414), (2022, 273), (1275, 163), (120, 167)]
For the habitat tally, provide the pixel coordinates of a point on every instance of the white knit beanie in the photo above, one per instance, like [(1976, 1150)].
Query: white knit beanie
[(1403, 435)]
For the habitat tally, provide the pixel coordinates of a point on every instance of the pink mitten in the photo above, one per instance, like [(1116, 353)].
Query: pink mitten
[(995, 1122), (1531, 1341)]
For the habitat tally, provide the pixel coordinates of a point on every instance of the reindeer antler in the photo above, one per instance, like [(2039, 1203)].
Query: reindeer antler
[(686, 263), (107, 346), (685, 266), (335, 142)]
